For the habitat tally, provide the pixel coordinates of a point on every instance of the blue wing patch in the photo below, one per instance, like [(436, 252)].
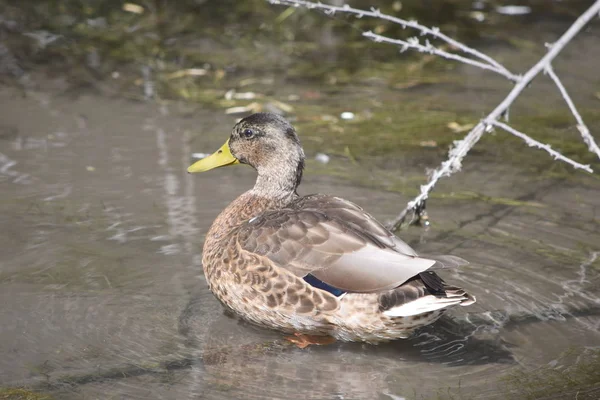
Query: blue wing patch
[(319, 284)]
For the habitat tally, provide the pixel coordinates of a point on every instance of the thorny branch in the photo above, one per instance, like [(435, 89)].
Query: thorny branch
[(424, 31), (534, 143), (583, 129), (462, 147), (413, 43)]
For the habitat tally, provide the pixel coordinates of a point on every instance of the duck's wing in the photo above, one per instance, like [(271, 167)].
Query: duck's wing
[(356, 217), (335, 241)]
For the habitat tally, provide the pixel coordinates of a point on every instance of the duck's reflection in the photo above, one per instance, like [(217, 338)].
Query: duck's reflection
[(244, 361)]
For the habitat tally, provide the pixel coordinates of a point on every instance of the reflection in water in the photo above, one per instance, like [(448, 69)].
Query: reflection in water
[(238, 358), (7, 171), (181, 208)]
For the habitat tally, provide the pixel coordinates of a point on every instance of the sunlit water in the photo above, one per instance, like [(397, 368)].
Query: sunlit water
[(102, 293)]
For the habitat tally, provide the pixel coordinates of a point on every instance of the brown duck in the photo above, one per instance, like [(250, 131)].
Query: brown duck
[(316, 266)]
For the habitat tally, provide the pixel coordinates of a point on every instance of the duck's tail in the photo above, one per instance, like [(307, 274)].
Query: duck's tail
[(421, 296)]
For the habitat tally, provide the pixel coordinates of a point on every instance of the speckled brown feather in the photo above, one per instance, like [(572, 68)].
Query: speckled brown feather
[(332, 242), (261, 246)]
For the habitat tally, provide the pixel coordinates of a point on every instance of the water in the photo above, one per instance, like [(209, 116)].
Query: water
[(102, 290)]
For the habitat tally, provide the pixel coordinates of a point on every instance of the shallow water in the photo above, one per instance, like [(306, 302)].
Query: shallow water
[(101, 283)]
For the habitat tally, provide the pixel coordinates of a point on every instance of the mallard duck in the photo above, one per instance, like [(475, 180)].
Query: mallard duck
[(316, 266)]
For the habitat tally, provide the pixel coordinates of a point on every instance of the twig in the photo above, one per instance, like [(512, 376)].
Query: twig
[(461, 148), (447, 168), (534, 143), (583, 129), (375, 13), (413, 43)]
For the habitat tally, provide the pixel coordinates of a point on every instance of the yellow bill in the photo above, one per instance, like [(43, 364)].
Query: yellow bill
[(220, 158)]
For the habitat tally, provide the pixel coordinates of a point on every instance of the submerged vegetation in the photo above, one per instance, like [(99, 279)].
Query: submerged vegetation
[(22, 394), (573, 375), (262, 60)]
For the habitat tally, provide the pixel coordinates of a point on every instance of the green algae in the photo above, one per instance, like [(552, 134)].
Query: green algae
[(22, 394), (574, 374)]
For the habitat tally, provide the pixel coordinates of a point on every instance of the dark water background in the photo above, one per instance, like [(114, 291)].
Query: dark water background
[(101, 230)]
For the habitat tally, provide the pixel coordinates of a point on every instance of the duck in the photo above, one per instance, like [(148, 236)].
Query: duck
[(317, 267)]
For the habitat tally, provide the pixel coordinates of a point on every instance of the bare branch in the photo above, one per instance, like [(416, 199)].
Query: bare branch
[(534, 143), (375, 13), (583, 129), (447, 168), (413, 43), (457, 153)]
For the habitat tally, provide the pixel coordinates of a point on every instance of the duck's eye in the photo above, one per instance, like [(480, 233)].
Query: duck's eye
[(248, 133)]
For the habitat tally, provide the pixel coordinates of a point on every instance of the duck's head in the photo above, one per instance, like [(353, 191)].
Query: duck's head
[(269, 144)]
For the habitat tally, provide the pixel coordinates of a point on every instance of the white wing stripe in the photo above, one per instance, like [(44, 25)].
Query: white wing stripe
[(422, 305)]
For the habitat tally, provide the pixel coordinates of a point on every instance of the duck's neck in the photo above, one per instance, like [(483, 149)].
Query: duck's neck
[(278, 183), (274, 189)]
